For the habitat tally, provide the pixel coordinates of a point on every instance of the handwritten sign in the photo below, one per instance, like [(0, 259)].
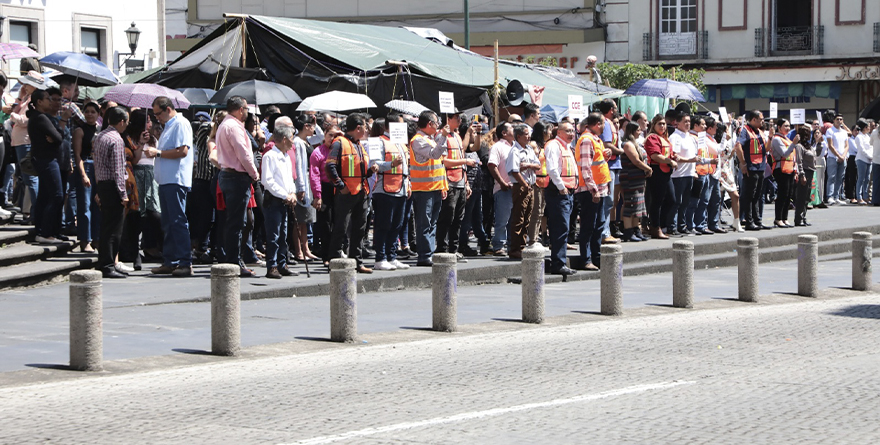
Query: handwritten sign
[(701, 139), (575, 106), (819, 118), (724, 116), (374, 145), (798, 116), (397, 133), (447, 102), (774, 110)]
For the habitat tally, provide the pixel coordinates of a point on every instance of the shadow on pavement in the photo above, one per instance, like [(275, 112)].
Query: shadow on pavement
[(192, 351), (510, 320), (54, 366), (324, 339), (417, 328), (587, 312), (860, 311)]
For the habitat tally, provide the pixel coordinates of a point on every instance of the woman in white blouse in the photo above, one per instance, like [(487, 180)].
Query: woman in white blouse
[(864, 158)]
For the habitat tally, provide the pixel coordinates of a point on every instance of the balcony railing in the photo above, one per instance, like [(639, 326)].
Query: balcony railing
[(759, 42), (798, 40), (648, 46), (877, 37)]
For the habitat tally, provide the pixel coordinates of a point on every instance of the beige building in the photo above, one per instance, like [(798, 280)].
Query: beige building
[(813, 54)]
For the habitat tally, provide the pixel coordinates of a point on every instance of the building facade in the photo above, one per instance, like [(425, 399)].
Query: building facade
[(813, 54), (92, 27)]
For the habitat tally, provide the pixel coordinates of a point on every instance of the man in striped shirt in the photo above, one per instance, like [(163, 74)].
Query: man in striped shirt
[(109, 156)]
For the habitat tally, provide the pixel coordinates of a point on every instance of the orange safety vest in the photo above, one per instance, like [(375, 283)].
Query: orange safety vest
[(615, 141), (353, 164), (786, 164), (426, 176), (702, 169), (599, 167), (756, 147), (392, 180), (665, 150), (454, 152), (542, 179), (568, 167)]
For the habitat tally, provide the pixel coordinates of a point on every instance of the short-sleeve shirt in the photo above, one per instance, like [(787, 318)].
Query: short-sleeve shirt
[(519, 155), (177, 133), (498, 156), (608, 136), (839, 137)]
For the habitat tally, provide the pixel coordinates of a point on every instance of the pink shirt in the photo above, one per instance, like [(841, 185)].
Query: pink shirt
[(234, 147), (317, 164)]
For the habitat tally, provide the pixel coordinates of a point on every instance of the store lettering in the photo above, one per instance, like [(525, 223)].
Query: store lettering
[(858, 73)]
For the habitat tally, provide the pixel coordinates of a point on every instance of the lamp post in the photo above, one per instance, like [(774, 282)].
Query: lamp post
[(132, 34), (467, 25)]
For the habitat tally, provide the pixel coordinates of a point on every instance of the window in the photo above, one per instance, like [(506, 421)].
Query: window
[(20, 32), (793, 32), (90, 42), (678, 28)]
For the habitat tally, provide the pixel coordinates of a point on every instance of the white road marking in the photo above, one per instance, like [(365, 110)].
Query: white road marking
[(490, 412)]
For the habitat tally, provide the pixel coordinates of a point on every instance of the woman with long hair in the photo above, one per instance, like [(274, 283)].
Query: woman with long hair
[(662, 162), (87, 214), (322, 192), (864, 158), (46, 137), (806, 160), (137, 220), (784, 170), (633, 174)]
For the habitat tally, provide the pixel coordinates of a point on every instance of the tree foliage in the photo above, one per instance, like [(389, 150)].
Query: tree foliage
[(623, 76)]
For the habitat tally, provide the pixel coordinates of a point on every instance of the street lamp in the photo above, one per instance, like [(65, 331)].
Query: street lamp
[(133, 34)]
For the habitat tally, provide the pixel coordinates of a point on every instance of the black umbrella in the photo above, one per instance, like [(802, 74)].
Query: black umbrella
[(197, 96), (257, 92)]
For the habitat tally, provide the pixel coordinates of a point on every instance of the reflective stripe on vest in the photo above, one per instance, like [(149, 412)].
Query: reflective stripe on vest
[(785, 164), (568, 167), (425, 176), (599, 167), (352, 165), (392, 180), (756, 147), (454, 152)]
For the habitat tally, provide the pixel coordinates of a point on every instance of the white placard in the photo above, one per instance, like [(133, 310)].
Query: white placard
[(575, 106), (798, 116), (819, 118), (724, 116), (447, 102), (374, 146), (774, 110), (397, 133), (701, 139)]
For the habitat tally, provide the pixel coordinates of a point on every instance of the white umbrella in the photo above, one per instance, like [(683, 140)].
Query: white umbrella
[(336, 101)]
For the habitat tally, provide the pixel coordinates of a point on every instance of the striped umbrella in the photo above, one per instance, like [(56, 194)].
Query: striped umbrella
[(143, 94), (16, 51)]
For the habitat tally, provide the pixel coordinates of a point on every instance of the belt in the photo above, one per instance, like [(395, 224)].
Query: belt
[(232, 170)]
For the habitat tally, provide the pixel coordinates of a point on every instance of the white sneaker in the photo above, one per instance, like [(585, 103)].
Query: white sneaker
[(384, 265), (842, 201), (5, 213), (122, 268), (399, 265), (50, 240)]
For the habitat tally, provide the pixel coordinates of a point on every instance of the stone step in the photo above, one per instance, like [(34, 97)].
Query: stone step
[(10, 235), (44, 272), (20, 253)]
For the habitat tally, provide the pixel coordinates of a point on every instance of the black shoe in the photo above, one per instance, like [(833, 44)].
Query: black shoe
[(752, 227), (565, 270), (273, 273), (112, 273), (763, 227), (285, 272), (62, 238), (719, 230), (246, 273), (638, 233), (425, 263), (615, 229), (705, 232), (468, 251)]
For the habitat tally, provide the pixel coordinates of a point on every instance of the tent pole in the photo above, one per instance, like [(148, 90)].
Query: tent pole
[(495, 107)]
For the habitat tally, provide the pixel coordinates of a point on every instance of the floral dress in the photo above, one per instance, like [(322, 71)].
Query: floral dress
[(726, 158)]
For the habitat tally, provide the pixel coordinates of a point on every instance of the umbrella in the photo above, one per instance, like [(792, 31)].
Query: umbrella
[(553, 113), (409, 107), (257, 92), (665, 88), (16, 51), (197, 96), (80, 66), (143, 94), (336, 101)]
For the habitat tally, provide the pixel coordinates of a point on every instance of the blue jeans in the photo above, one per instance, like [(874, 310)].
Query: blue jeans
[(834, 185), (88, 216), (426, 206), (236, 189), (681, 198), (698, 203), (875, 178), (473, 219), (557, 209), (7, 185), (864, 169), (592, 221), (387, 221), (49, 206), (403, 233), (32, 183), (503, 207), (713, 209), (275, 222), (176, 247), (608, 202)]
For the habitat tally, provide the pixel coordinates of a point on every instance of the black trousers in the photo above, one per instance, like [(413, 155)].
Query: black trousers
[(850, 177), (785, 187), (753, 184), (349, 211), (324, 221), (112, 213), (449, 223), (661, 190), (803, 198)]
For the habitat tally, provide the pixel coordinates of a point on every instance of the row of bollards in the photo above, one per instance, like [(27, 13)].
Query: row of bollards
[(86, 343)]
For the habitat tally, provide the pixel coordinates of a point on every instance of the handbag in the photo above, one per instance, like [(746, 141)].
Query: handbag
[(27, 165)]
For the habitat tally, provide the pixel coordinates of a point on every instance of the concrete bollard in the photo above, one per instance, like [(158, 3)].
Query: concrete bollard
[(533, 284), (747, 263), (86, 314), (861, 261), (808, 265), (683, 274), (444, 287), (611, 277), (343, 300), (225, 309)]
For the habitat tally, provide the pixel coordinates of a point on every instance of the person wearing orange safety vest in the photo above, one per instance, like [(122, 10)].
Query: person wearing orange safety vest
[(348, 166), (785, 170), (429, 183), (453, 207), (562, 174), (593, 186), (751, 150), (389, 194), (710, 202), (707, 164)]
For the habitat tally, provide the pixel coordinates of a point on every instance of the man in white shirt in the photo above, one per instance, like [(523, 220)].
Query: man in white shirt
[(559, 195), (875, 168), (835, 157), (280, 188), (521, 166), (503, 194), (684, 145)]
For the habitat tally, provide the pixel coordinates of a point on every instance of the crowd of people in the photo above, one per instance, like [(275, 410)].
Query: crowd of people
[(278, 190)]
